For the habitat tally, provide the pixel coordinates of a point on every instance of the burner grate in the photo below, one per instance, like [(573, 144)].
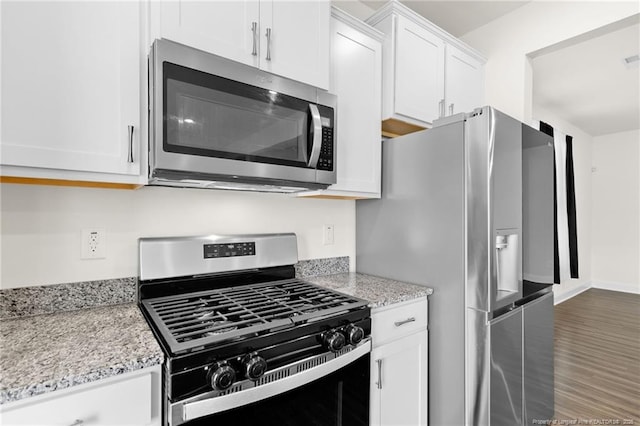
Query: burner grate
[(191, 320)]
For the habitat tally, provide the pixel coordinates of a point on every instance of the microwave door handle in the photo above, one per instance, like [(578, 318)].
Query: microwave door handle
[(317, 136)]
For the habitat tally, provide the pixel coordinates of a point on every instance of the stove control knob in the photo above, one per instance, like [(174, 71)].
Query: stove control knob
[(221, 376), (334, 340), (254, 366), (353, 334)]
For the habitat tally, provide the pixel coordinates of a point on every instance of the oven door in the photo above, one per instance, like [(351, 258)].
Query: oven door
[(335, 393), (220, 118)]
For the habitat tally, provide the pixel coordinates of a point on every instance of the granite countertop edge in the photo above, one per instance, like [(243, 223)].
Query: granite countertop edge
[(24, 392), (378, 291), (70, 348)]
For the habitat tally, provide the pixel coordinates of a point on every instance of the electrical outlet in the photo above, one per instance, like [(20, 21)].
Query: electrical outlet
[(327, 234), (93, 244)]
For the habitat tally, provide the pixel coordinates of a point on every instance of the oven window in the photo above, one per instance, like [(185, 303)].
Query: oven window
[(212, 116), (338, 399)]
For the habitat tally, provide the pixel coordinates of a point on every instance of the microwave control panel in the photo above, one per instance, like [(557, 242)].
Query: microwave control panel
[(325, 162)]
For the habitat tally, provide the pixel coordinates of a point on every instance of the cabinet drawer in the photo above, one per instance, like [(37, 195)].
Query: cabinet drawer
[(119, 402), (398, 320)]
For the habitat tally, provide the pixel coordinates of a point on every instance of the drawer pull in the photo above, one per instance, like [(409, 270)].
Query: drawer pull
[(78, 422), (408, 320)]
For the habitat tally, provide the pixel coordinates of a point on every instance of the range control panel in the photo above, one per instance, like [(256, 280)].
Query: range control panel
[(212, 251)]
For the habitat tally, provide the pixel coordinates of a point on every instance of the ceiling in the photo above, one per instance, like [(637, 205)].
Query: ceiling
[(588, 84), (582, 81), (456, 17)]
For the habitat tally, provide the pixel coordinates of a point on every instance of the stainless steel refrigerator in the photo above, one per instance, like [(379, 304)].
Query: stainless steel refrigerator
[(467, 208)]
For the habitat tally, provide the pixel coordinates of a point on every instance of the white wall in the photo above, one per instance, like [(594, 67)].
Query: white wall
[(41, 226), (582, 160), (508, 40), (616, 210)]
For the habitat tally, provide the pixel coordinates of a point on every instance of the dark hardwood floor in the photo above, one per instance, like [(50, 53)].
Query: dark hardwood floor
[(597, 358)]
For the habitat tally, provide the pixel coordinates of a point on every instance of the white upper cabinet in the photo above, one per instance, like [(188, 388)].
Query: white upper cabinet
[(298, 43), (288, 38), (427, 73), (226, 28), (419, 69), (464, 81), (356, 78), (71, 91)]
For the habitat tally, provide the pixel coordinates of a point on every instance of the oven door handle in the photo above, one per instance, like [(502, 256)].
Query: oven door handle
[(205, 407), (317, 136)]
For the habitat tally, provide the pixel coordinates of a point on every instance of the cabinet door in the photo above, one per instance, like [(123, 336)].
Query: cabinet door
[(126, 401), (399, 382), (464, 82), (298, 42), (356, 62), (225, 28), (419, 72), (71, 85)]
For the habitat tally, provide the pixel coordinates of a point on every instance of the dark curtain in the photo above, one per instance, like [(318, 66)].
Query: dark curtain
[(571, 211)]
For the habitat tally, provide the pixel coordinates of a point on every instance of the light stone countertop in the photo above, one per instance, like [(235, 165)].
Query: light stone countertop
[(44, 353), (378, 291)]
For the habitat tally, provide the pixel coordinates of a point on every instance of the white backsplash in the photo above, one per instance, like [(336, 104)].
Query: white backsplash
[(41, 226)]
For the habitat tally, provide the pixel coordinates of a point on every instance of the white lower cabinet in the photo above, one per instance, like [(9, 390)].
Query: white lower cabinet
[(399, 365), (127, 399), (399, 388)]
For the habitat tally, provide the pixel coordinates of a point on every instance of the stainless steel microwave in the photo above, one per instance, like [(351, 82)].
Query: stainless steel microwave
[(216, 123)]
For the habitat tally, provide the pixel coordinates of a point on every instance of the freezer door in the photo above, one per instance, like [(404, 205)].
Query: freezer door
[(505, 334), (538, 359)]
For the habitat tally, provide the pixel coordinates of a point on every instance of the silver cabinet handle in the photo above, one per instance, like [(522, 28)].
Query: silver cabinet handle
[(78, 422), (268, 44), (408, 320), (317, 136), (254, 29), (450, 109), (379, 382), (130, 133), (441, 108)]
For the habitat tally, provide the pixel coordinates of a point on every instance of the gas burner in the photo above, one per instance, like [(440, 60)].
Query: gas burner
[(217, 324), (306, 308), (207, 315)]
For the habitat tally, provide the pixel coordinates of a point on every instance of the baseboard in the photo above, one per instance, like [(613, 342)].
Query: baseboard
[(622, 287), (559, 298)]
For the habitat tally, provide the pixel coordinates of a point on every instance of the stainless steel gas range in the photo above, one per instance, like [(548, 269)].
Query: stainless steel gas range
[(245, 341)]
